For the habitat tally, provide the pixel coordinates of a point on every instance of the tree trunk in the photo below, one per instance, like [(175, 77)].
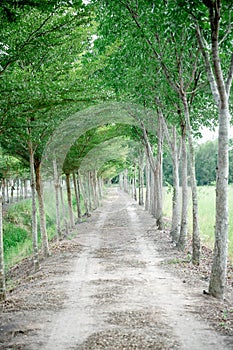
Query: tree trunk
[(135, 183), (34, 218), (121, 181), (219, 267), (220, 90), (94, 188), (64, 210), (12, 192), (84, 194), (148, 185), (57, 188), (7, 191), (69, 200), (159, 174), (196, 245), (21, 188), (2, 267), (3, 190), (126, 180), (77, 195), (140, 178), (17, 190), (25, 188), (100, 187), (152, 194), (175, 231), (182, 243), (40, 196), (89, 192)]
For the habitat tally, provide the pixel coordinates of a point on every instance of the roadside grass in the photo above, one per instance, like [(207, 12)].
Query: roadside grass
[(17, 227), (206, 202)]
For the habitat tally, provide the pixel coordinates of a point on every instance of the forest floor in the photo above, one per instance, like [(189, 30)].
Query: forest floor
[(115, 283)]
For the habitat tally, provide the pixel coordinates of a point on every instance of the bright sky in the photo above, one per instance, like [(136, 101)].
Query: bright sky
[(209, 135)]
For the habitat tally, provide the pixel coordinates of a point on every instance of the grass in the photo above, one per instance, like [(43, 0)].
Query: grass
[(206, 202), (17, 227)]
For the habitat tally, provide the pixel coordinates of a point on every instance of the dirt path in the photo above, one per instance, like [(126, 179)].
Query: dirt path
[(108, 290)]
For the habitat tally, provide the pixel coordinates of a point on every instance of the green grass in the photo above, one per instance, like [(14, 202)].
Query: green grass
[(206, 202), (17, 227)]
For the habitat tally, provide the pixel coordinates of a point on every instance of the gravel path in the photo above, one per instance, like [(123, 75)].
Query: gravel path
[(115, 293)]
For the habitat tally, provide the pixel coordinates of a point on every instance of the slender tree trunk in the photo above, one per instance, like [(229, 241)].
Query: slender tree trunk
[(40, 196), (89, 192), (196, 245), (25, 188), (2, 267), (94, 188), (219, 267), (175, 230), (34, 218), (21, 189), (182, 243), (69, 200), (148, 185), (17, 190), (7, 191), (64, 210), (121, 181), (135, 183), (3, 190), (84, 194), (126, 180), (100, 187), (141, 178), (152, 195), (77, 195), (57, 189), (12, 192), (159, 174)]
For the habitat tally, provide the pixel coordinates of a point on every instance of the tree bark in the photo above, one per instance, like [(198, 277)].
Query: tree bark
[(182, 243), (17, 190), (135, 182), (84, 194), (69, 200), (126, 189), (12, 192), (40, 196), (25, 188), (175, 231), (3, 190), (141, 178), (220, 91), (196, 245), (100, 187), (152, 193), (7, 191), (159, 173), (121, 181), (219, 267), (148, 185), (77, 195), (34, 218), (2, 267), (64, 212), (57, 189)]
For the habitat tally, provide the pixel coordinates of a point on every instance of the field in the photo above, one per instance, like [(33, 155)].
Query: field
[(206, 196)]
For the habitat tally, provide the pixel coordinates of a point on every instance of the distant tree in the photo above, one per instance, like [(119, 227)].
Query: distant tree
[(206, 163)]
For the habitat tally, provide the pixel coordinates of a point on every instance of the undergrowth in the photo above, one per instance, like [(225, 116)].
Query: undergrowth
[(17, 240)]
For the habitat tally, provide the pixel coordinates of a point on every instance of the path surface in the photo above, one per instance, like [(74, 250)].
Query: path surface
[(113, 293)]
